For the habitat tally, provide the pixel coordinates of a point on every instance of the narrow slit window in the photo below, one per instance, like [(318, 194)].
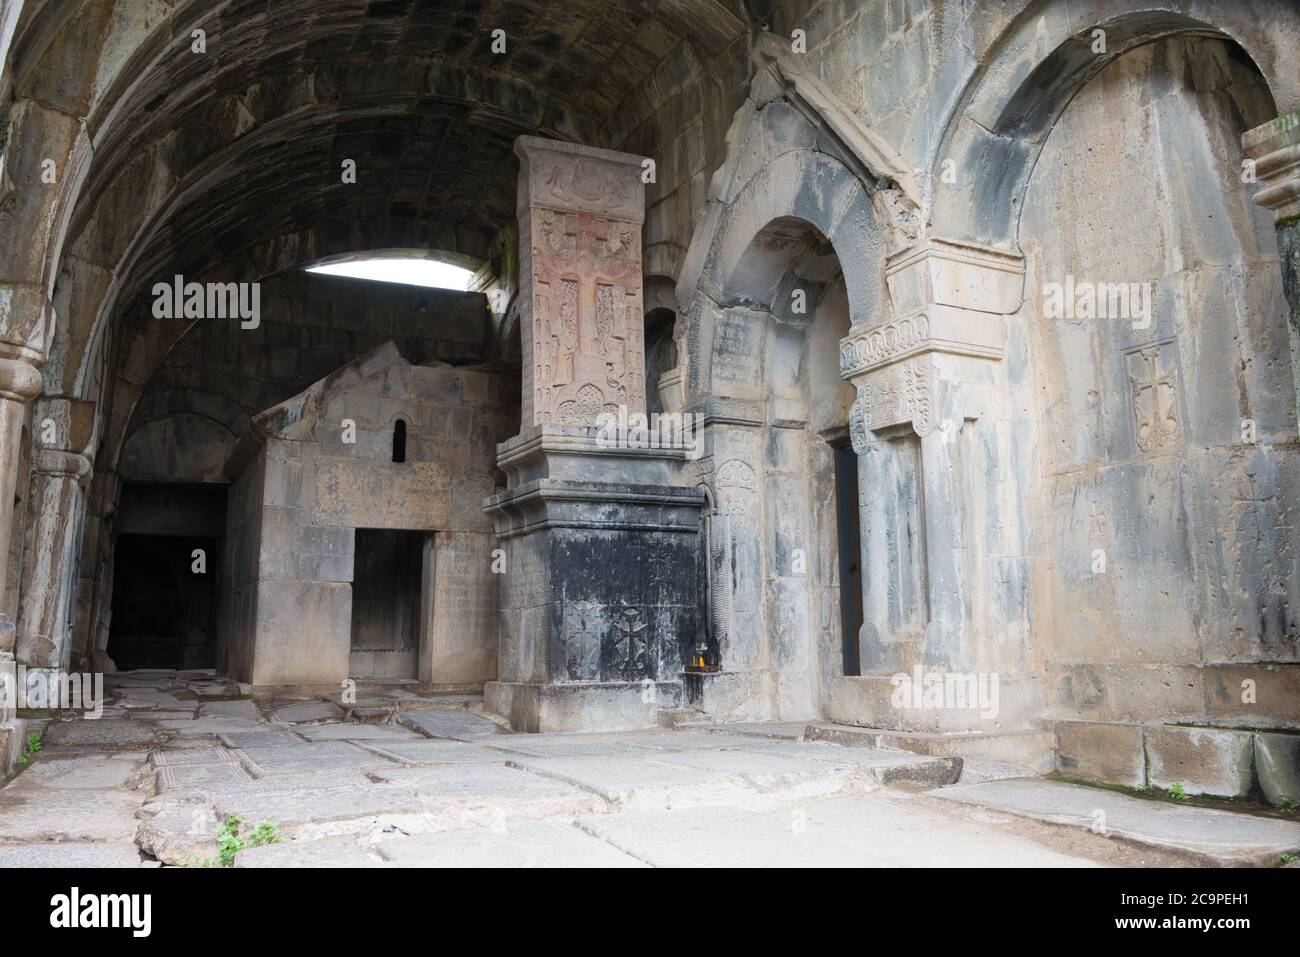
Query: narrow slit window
[(399, 441)]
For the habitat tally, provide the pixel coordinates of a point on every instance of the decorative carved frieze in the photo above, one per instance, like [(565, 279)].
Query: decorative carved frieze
[(883, 343), (950, 299)]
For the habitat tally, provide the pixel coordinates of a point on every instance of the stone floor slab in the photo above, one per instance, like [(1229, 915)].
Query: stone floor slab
[(209, 726), (454, 724), (468, 795), (319, 805), (334, 852), (576, 744), (641, 782), (83, 772), (426, 751), (260, 739), (1225, 838), (882, 765), (115, 854), (186, 756), (307, 711), (241, 708), (188, 777), (357, 732), (321, 757), (109, 732), (54, 814), (549, 844), (857, 831)]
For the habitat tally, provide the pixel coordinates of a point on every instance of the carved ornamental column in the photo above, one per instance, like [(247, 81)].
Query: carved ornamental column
[(927, 422), (20, 382), (1275, 148), (63, 431)]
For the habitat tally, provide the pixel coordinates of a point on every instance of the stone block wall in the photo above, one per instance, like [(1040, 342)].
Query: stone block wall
[(1234, 763), (1170, 479)]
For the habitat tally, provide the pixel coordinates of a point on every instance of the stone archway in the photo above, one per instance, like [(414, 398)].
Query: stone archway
[(790, 258)]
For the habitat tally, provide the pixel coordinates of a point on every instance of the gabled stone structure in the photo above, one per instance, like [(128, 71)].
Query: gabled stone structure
[(314, 469)]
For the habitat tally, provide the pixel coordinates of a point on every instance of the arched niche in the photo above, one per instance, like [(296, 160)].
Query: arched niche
[(1012, 95), (749, 249)]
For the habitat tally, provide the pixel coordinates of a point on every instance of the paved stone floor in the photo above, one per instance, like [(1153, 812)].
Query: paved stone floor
[(405, 779)]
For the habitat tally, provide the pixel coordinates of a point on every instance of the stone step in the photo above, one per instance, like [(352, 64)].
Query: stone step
[(1029, 749), (1201, 835), (779, 730)]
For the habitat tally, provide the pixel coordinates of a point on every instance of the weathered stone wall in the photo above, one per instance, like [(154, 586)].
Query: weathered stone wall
[(1168, 449)]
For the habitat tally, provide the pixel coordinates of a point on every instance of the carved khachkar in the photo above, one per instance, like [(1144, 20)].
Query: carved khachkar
[(1153, 378), (580, 215)]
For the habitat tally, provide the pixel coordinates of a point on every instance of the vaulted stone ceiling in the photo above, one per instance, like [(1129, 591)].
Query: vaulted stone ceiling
[(249, 138)]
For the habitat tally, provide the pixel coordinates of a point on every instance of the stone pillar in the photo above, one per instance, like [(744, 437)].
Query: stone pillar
[(62, 432), (1275, 148), (601, 537), (20, 381), (943, 548), (746, 686)]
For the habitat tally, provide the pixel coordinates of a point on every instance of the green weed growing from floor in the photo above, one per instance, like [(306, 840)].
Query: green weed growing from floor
[(231, 839), (33, 745)]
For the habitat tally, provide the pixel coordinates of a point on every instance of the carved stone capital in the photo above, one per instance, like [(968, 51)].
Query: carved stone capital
[(1275, 148), (56, 462), (20, 381), (941, 272), (64, 425)]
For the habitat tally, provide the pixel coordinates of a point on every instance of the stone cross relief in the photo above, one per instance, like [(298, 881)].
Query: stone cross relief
[(587, 323), (597, 649), (1154, 378), (582, 643), (630, 651)]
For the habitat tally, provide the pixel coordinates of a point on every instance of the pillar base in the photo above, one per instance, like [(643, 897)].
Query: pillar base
[(601, 584), (595, 706), (733, 695)]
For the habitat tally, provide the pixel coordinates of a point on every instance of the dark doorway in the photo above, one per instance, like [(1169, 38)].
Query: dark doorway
[(164, 609), (849, 536), (387, 569)]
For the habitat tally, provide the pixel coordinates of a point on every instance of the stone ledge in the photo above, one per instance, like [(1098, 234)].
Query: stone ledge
[(1212, 761), (1031, 749), (1099, 751)]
